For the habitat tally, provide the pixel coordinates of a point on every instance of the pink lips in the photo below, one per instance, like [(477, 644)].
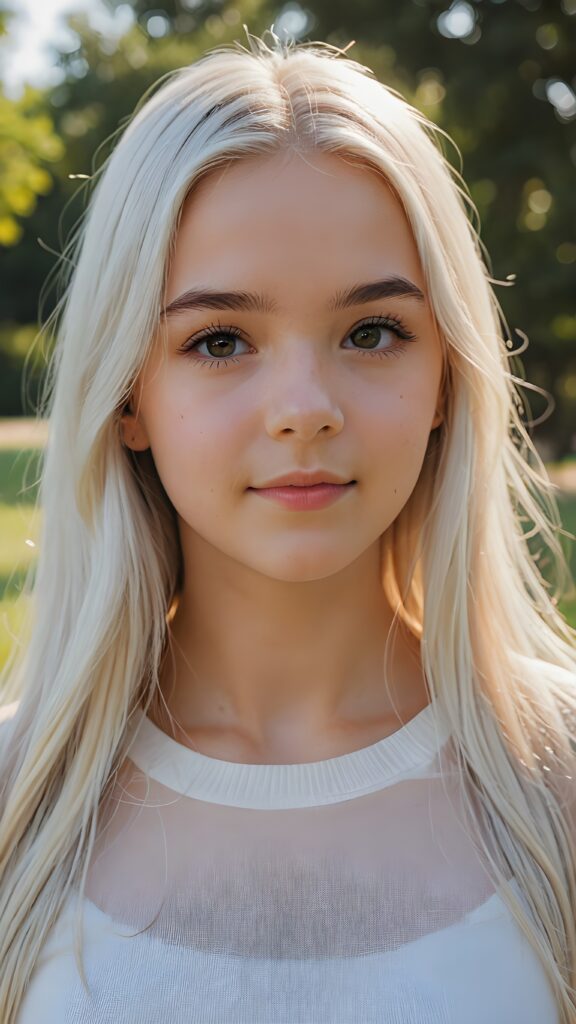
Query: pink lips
[(304, 498)]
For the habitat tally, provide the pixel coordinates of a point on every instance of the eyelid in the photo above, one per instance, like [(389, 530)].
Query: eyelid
[(217, 328)]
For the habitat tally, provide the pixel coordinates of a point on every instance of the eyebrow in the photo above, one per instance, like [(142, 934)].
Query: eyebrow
[(203, 298)]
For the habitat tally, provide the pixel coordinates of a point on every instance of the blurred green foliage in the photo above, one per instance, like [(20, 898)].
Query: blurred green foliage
[(27, 140), (22, 365), (27, 143), (497, 75)]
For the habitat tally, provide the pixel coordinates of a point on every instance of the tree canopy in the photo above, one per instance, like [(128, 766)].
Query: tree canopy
[(496, 75)]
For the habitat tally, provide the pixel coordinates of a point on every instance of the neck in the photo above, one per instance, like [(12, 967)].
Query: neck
[(280, 659)]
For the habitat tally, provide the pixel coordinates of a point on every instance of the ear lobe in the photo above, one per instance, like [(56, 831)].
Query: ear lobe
[(133, 432), (439, 412)]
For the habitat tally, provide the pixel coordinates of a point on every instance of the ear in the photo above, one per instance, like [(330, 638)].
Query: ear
[(438, 419), (133, 431), (439, 412)]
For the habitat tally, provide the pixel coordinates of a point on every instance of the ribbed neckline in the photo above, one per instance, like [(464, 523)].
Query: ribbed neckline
[(280, 786)]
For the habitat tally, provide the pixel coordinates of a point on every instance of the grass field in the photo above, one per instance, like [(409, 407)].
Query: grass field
[(20, 523)]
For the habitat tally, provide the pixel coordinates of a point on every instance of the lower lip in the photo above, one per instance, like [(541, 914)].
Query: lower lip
[(315, 497)]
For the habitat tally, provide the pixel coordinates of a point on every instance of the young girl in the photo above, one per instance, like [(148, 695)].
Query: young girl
[(294, 736)]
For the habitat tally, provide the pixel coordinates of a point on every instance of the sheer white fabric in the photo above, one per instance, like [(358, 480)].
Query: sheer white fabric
[(343, 891)]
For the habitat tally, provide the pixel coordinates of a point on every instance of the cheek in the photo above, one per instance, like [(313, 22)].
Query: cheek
[(399, 418), (396, 430), (195, 440)]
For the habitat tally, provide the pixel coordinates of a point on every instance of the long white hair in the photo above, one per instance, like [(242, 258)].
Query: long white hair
[(499, 658)]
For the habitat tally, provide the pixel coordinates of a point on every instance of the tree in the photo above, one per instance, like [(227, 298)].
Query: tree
[(28, 143), (495, 74), (498, 77)]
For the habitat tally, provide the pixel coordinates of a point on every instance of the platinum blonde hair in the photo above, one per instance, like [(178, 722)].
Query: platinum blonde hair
[(499, 658)]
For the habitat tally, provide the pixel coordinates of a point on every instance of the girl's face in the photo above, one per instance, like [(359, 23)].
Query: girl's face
[(292, 376)]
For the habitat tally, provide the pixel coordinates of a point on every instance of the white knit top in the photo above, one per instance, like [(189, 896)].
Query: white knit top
[(342, 891)]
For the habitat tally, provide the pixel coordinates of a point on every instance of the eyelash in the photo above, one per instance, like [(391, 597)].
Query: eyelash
[(393, 323)]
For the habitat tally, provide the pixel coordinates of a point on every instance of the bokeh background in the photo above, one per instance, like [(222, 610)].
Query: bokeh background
[(499, 76)]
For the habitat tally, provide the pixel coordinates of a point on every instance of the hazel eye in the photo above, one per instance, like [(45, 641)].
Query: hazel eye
[(372, 329), (221, 339)]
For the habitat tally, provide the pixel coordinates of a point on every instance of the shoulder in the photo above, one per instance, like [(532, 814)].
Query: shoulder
[(562, 680), (547, 667), (561, 685)]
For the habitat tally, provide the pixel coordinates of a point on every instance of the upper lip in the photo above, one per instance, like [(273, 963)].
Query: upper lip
[(302, 479)]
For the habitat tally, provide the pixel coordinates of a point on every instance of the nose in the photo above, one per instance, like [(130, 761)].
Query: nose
[(302, 398)]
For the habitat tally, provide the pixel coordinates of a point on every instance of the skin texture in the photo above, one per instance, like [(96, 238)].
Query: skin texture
[(278, 638)]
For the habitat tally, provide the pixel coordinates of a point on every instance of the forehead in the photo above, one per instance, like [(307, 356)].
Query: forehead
[(304, 219)]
